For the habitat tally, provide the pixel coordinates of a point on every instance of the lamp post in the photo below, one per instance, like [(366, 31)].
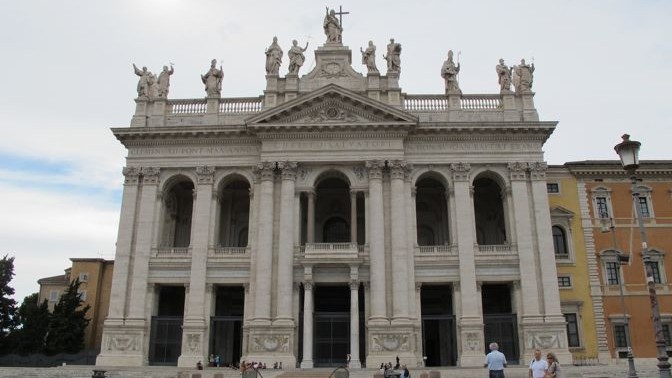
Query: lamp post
[(628, 151), (622, 259)]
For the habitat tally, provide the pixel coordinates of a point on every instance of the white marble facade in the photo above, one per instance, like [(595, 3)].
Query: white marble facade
[(235, 192)]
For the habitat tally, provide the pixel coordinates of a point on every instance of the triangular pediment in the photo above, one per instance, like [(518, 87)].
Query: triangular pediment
[(331, 106), (559, 211)]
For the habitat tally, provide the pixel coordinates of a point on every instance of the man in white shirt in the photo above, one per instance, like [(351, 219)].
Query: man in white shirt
[(538, 366), (495, 361)]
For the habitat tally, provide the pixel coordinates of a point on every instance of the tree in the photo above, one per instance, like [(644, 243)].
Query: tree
[(34, 319), (8, 319), (68, 322)]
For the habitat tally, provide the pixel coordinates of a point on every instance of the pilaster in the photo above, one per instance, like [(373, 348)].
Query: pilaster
[(286, 245), (400, 305), (377, 243), (264, 259)]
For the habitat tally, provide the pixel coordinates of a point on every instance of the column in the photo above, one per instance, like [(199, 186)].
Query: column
[(264, 258), (470, 320), (528, 261), (353, 216), (194, 324), (286, 245), (310, 227), (148, 200), (354, 324), (400, 306), (307, 362), (377, 243), (124, 245)]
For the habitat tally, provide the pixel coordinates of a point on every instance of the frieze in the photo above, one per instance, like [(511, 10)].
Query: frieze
[(270, 343), (331, 145), (194, 151), (390, 343), (466, 146)]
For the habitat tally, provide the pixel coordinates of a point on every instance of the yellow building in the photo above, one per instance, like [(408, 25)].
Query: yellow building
[(95, 276), (580, 300)]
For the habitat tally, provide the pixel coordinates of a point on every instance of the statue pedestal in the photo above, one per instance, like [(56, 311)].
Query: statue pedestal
[(141, 109)]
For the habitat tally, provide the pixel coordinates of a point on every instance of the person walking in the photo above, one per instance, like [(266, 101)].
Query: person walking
[(495, 361)]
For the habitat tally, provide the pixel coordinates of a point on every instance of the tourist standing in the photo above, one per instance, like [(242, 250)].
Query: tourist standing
[(553, 366), (538, 366), (495, 361)]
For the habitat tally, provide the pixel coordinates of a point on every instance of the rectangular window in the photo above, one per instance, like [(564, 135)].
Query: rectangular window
[(667, 335), (643, 204), (564, 281), (620, 340), (613, 277), (572, 330), (655, 269), (553, 187), (53, 296), (602, 209)]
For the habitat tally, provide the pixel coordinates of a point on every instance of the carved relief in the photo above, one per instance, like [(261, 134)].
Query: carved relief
[(131, 175), (472, 342), (303, 172), (332, 70), (288, 169), (331, 113), (359, 171), (544, 341), (193, 342), (122, 343), (206, 174), (390, 343), (460, 171), (270, 343), (375, 168)]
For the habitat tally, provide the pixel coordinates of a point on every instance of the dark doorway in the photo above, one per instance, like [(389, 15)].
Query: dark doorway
[(438, 325), (165, 340), (500, 324), (226, 326), (331, 325)]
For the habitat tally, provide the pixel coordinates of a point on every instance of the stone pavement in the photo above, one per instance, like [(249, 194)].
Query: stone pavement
[(601, 371)]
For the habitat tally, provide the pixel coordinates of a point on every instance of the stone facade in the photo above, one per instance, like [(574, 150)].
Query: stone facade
[(334, 200)]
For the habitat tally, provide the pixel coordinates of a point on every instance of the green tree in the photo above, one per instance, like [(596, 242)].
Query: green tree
[(68, 322), (34, 319), (8, 319)]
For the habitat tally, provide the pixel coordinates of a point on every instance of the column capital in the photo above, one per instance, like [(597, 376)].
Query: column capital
[(460, 171), (205, 174), (308, 285), (150, 175), (517, 171), (418, 287), (375, 169), (354, 285), (538, 170), (310, 193), (265, 171), (398, 169), (288, 169), (131, 175)]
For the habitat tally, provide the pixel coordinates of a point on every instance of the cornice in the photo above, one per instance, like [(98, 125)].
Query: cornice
[(332, 135)]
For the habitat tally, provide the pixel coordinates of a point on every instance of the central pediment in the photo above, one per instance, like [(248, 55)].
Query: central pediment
[(331, 106)]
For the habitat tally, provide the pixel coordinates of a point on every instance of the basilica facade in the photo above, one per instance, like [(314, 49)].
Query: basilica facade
[(334, 215)]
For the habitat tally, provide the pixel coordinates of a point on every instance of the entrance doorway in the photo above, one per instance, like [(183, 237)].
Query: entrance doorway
[(500, 323), (165, 339), (438, 325), (226, 326), (331, 325)]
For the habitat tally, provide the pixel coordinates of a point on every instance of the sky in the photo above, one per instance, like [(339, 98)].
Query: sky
[(66, 78)]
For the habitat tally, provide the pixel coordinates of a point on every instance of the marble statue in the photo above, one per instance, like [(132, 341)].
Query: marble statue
[(522, 77), (449, 73), (273, 58), (213, 79), (145, 82), (504, 74), (296, 57), (164, 81), (393, 57), (332, 28), (369, 57)]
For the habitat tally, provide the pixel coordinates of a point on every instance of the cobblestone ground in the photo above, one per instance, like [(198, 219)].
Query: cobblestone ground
[(602, 371)]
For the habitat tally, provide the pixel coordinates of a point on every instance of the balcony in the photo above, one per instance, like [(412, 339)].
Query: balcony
[(172, 252), (494, 248), (331, 251), (223, 251), (435, 249)]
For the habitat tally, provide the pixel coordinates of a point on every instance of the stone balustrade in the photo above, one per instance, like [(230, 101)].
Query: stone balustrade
[(439, 103), (173, 251), (331, 250), (186, 106), (434, 249), (481, 102), (218, 251), (240, 105), (494, 248)]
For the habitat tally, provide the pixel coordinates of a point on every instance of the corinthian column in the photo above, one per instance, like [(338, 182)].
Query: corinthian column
[(400, 312), (264, 259), (354, 325), (307, 362), (377, 241), (286, 244)]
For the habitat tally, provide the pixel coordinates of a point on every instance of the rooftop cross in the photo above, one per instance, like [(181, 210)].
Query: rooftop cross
[(340, 14)]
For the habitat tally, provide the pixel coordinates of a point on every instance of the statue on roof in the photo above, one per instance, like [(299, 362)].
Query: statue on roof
[(393, 57), (522, 78), (213, 80), (504, 75), (164, 81), (369, 57), (296, 57), (273, 58), (145, 83), (449, 73), (332, 27)]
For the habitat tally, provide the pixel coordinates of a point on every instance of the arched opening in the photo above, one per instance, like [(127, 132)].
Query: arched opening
[(489, 212), (234, 214), (178, 203), (332, 211), (431, 212), (560, 242)]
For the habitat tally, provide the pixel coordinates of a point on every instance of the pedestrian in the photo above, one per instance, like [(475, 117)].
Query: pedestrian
[(553, 366), (495, 361), (538, 366), (199, 365)]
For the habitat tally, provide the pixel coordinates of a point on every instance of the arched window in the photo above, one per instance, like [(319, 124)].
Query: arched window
[(234, 213), (560, 243), (426, 236), (489, 212), (431, 212), (178, 205), (336, 230)]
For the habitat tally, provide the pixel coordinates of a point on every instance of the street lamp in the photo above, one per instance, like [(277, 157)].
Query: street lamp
[(621, 260), (628, 151)]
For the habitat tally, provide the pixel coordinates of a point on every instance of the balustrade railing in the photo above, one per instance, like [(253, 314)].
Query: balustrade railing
[(494, 248), (187, 106), (481, 102), (437, 103), (240, 105), (173, 251), (230, 250), (434, 249), (331, 247)]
